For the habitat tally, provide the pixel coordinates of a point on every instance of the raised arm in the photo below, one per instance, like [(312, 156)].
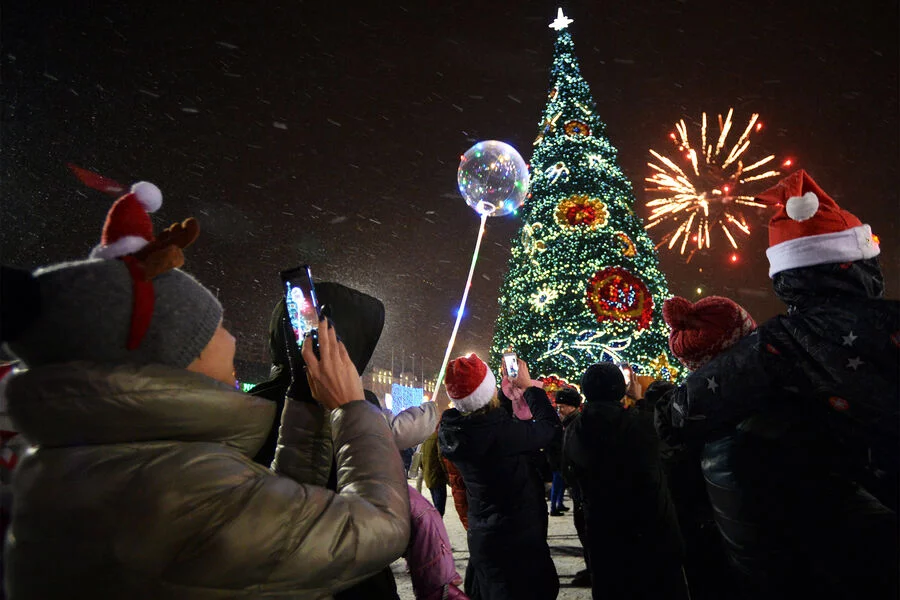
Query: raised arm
[(413, 425), (526, 436)]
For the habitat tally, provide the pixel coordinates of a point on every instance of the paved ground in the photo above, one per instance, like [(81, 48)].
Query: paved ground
[(564, 547)]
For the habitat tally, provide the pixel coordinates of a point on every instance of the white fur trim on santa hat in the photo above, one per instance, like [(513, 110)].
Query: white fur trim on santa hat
[(851, 244), (479, 398), (121, 247), (148, 195), (802, 208)]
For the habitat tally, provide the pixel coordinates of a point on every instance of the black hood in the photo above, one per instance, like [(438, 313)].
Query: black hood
[(358, 319), (833, 283)]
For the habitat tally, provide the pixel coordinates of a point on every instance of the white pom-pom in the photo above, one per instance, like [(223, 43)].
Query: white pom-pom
[(801, 208), (148, 195)]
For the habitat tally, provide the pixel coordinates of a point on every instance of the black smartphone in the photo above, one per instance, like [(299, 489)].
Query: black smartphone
[(512, 364), (302, 304)]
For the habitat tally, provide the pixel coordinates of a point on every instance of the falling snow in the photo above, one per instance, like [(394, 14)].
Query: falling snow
[(335, 142)]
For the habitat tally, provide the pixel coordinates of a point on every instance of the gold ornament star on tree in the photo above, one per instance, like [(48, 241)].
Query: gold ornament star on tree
[(660, 366)]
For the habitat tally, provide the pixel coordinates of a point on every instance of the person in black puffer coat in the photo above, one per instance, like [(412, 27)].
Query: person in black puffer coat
[(568, 403), (512, 400), (815, 392), (631, 521), (508, 553)]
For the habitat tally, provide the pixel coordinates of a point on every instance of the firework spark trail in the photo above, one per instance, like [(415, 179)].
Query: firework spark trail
[(705, 195)]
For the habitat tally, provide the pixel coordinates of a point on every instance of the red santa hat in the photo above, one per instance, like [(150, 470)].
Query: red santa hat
[(810, 228), (470, 383), (701, 330), (128, 227)]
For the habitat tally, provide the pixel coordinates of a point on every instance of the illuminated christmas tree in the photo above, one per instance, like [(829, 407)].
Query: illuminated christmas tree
[(583, 283)]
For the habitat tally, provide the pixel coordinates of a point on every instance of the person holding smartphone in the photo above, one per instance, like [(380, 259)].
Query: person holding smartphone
[(633, 390), (508, 553), (141, 483)]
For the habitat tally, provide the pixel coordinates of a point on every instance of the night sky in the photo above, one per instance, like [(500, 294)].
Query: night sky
[(330, 133)]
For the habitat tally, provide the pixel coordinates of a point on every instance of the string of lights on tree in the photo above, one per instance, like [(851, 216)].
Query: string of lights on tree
[(583, 283)]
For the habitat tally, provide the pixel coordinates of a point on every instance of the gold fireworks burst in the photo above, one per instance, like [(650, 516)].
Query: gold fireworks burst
[(709, 194)]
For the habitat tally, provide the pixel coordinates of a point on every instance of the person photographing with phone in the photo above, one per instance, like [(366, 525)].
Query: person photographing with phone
[(141, 483), (508, 553)]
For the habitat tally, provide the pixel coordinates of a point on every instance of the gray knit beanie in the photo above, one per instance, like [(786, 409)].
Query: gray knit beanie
[(86, 311)]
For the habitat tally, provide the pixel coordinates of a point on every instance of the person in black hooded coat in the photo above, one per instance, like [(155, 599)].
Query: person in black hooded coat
[(509, 558), (832, 365), (358, 321)]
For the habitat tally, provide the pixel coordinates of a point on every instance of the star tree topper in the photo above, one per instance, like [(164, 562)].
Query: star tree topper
[(561, 22)]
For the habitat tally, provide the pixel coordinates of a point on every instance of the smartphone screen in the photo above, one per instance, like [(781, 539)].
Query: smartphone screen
[(300, 301), (512, 364), (626, 373)]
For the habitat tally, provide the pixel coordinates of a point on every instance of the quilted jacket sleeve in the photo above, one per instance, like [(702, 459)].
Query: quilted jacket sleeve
[(413, 425), (267, 532), (304, 451)]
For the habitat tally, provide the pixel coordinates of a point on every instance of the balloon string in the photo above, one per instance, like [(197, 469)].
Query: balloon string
[(462, 307)]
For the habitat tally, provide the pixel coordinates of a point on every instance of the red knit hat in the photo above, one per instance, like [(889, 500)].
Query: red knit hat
[(702, 330), (810, 228), (470, 383)]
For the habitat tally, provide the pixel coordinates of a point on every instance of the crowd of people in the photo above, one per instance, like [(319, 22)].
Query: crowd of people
[(770, 471)]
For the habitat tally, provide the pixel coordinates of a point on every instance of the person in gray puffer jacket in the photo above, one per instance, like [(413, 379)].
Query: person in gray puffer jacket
[(142, 483)]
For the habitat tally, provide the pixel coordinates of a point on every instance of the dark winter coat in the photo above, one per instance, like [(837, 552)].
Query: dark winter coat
[(507, 512), (704, 560), (539, 459), (781, 479), (786, 518), (684, 477), (276, 387), (554, 450), (613, 456), (835, 355)]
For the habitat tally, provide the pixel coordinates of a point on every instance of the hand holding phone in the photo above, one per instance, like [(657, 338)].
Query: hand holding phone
[(511, 362), (522, 380), (332, 376)]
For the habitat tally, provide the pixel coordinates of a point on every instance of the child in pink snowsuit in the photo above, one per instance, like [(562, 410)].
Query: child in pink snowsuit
[(429, 555)]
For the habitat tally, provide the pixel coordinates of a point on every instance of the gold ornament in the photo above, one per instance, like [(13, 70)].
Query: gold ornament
[(580, 210), (662, 369)]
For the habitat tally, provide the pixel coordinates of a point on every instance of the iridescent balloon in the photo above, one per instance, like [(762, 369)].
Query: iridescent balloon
[(493, 178)]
